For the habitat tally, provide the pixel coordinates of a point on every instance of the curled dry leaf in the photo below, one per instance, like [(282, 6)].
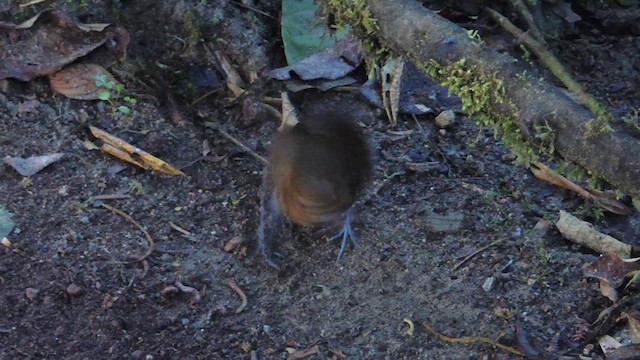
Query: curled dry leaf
[(78, 81), (31, 166), (289, 115), (391, 79), (583, 233), (601, 199)]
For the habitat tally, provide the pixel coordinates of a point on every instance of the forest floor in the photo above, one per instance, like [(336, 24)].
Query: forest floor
[(69, 290)]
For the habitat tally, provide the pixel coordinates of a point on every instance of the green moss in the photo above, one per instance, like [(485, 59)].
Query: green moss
[(483, 96), (356, 14)]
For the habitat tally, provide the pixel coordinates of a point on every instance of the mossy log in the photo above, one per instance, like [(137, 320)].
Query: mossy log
[(498, 91)]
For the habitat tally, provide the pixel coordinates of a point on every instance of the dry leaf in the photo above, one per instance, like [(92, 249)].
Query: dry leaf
[(612, 269), (78, 81), (391, 79), (601, 199), (289, 116), (32, 165), (583, 233)]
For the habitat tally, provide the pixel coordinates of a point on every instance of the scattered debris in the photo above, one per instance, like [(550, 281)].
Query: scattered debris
[(74, 290), (411, 328), (195, 294), (233, 244), (295, 354)]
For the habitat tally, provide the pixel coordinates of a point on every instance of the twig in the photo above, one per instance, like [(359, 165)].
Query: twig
[(254, 9), (232, 284), (184, 232), (195, 294), (146, 234), (551, 62), (471, 340), (108, 197), (522, 9), (236, 141), (477, 252)]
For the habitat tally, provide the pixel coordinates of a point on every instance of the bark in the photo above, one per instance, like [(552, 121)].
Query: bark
[(409, 28)]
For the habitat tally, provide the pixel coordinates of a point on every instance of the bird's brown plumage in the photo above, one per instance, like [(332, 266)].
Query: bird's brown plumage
[(317, 169)]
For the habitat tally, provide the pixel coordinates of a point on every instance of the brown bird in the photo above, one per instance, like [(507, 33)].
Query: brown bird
[(316, 170)]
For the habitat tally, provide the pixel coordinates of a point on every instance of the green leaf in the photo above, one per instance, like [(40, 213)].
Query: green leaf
[(303, 32), (6, 223), (124, 109), (104, 96)]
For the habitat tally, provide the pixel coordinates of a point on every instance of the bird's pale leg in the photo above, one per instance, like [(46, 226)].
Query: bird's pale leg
[(346, 233)]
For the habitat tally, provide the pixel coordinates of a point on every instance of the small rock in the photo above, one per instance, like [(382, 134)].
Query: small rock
[(445, 119), (489, 283), (74, 290), (31, 293)]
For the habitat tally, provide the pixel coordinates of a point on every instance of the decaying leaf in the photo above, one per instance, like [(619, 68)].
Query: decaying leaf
[(78, 81), (331, 63), (633, 324), (31, 166), (606, 202), (50, 40), (289, 115), (583, 233), (612, 269), (391, 74), (608, 344), (129, 153), (302, 353)]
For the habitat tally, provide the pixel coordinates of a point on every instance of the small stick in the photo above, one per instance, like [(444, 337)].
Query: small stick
[(477, 252), (184, 232), (108, 197), (232, 284), (236, 141), (471, 340), (131, 220)]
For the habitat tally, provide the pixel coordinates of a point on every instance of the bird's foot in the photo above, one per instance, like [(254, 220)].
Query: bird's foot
[(346, 233)]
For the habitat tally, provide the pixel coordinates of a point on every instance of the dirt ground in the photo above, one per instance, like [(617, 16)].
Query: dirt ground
[(67, 289)]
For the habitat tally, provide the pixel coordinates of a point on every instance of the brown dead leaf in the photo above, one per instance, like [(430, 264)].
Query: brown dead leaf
[(612, 269), (542, 172), (50, 40), (78, 81)]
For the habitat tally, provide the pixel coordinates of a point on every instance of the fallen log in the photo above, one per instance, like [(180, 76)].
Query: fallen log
[(531, 115)]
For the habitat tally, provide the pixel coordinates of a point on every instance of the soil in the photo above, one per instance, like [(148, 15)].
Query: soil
[(75, 284)]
